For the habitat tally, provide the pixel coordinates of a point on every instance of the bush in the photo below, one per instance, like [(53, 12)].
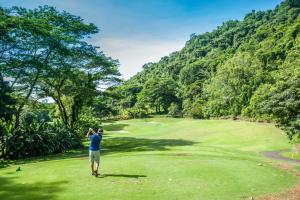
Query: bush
[(197, 111), (40, 139), (87, 121), (134, 113), (28, 118), (174, 110), (193, 109)]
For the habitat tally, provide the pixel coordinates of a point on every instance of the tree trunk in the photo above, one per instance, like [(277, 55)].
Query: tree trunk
[(62, 110), (32, 85), (75, 110), (20, 108)]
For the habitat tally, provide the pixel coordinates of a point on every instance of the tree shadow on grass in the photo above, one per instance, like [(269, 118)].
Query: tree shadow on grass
[(131, 144), (9, 189), (110, 145), (122, 175), (78, 153)]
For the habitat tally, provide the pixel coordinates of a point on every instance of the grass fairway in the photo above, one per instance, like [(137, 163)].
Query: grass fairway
[(160, 158), (291, 155)]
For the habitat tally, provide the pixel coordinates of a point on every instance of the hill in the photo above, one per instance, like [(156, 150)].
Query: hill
[(247, 68)]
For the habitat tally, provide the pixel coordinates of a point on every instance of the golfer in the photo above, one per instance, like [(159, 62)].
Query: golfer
[(94, 150)]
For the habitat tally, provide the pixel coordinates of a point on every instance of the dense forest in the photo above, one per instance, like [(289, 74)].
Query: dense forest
[(248, 68)]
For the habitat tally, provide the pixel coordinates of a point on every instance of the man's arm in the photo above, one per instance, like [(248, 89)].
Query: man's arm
[(89, 132)]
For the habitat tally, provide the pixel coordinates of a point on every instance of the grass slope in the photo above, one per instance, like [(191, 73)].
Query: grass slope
[(160, 158)]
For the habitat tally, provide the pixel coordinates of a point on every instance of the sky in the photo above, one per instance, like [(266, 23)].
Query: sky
[(140, 31)]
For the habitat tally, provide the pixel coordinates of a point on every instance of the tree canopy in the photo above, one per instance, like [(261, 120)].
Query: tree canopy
[(44, 54)]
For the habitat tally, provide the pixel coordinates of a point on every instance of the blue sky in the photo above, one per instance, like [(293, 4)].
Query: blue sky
[(140, 31)]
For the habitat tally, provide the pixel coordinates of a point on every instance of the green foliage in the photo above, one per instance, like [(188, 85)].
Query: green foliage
[(283, 104), (87, 120), (158, 93), (255, 108), (134, 112), (45, 54), (37, 139), (174, 110), (231, 88), (246, 67), (192, 73), (193, 109), (6, 100)]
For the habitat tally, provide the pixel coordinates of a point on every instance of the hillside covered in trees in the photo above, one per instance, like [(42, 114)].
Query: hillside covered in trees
[(248, 68)]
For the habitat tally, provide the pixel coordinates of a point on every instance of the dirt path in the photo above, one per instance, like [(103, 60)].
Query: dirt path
[(277, 155)]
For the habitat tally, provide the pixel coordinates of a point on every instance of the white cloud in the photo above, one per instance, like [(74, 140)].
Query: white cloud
[(133, 53)]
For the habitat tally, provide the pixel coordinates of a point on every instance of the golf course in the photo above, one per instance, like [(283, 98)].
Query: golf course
[(150, 100), (160, 158)]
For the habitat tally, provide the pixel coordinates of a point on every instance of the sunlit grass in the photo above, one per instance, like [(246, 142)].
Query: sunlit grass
[(159, 158)]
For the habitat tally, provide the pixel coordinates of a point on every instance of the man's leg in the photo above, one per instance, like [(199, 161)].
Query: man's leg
[(97, 161), (92, 161), (92, 168), (97, 168)]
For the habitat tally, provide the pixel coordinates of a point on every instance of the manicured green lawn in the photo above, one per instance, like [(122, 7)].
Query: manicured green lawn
[(160, 158)]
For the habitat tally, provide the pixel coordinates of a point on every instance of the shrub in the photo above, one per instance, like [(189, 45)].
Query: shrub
[(193, 109), (134, 113), (197, 111), (39, 139), (174, 110), (87, 121)]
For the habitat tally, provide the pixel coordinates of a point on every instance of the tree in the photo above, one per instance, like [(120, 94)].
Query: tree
[(6, 101), (39, 37), (281, 100), (74, 85), (232, 87), (127, 94), (192, 73), (158, 93), (6, 111)]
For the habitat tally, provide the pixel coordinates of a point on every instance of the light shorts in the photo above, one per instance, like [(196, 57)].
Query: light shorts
[(94, 156)]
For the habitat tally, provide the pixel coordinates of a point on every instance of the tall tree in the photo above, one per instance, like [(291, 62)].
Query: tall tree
[(39, 37), (158, 93)]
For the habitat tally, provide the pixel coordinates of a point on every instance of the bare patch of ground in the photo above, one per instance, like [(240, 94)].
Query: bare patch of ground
[(277, 155)]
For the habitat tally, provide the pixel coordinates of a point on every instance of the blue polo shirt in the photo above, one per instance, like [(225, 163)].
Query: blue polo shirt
[(95, 142)]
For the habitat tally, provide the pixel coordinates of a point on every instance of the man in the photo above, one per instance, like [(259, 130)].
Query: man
[(94, 150)]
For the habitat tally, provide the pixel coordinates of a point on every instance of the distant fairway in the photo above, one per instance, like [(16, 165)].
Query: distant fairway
[(160, 158)]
